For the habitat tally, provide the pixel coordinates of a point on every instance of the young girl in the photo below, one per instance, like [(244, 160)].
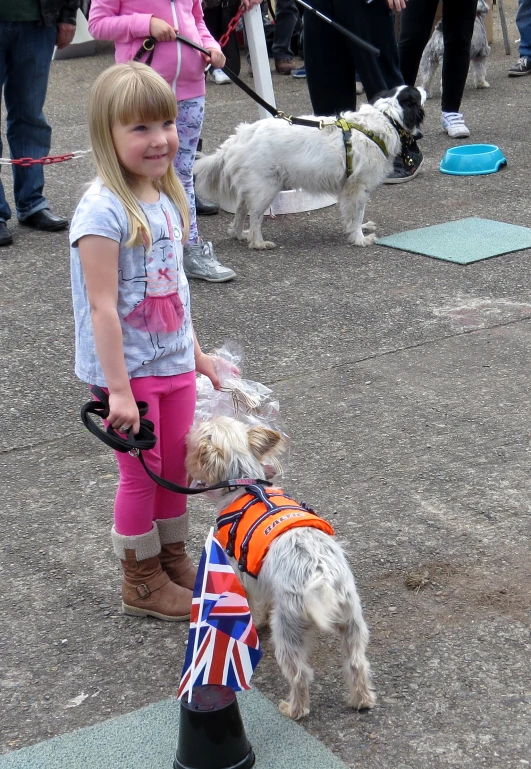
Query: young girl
[(129, 23), (134, 332)]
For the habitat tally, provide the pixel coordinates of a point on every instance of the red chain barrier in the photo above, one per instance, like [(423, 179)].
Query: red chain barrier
[(48, 160), (233, 23)]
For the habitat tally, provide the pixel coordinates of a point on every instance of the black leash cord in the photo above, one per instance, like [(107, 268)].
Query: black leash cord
[(144, 440), (148, 47)]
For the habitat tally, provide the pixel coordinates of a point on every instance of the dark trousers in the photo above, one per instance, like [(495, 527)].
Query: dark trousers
[(457, 26), (333, 61), (286, 18), (217, 20)]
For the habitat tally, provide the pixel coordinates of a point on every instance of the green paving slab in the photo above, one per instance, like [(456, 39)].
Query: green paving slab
[(463, 241), (147, 739)]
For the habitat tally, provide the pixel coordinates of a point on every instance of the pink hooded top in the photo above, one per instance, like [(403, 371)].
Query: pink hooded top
[(127, 23)]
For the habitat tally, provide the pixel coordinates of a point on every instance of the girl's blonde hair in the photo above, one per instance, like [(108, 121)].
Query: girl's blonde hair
[(130, 93)]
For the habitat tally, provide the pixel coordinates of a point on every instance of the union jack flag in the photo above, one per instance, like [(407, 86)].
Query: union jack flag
[(223, 645)]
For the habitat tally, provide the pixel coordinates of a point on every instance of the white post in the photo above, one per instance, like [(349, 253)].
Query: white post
[(254, 28)]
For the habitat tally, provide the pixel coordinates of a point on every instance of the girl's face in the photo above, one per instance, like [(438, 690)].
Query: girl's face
[(146, 150)]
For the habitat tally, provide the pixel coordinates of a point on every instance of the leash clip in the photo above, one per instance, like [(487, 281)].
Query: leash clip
[(283, 116), (134, 452)]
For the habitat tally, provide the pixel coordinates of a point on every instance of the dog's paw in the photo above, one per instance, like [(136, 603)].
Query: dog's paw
[(238, 235), (263, 245), (368, 227), (484, 84), (363, 240), (295, 713), (362, 701)]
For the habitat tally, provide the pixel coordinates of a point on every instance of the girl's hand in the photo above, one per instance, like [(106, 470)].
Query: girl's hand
[(217, 59), (396, 5), (204, 364), (247, 4), (123, 412), (161, 30)]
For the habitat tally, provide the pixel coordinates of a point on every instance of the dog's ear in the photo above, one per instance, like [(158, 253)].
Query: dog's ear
[(411, 100), (263, 442), (207, 462)]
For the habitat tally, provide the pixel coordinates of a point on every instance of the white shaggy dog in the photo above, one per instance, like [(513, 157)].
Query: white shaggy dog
[(479, 51), (304, 582), (265, 157)]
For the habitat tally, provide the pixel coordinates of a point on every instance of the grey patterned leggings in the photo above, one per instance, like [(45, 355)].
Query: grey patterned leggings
[(189, 123)]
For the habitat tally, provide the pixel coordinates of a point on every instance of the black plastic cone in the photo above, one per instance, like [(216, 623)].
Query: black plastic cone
[(211, 733)]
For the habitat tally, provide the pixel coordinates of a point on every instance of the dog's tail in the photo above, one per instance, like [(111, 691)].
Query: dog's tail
[(212, 181), (321, 603)]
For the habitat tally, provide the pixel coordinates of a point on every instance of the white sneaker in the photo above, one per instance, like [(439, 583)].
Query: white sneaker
[(454, 125), (200, 262), (219, 77)]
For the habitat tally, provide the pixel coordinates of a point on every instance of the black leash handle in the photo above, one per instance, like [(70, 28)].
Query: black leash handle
[(144, 440)]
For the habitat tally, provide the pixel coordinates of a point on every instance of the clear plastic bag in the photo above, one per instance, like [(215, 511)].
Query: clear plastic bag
[(250, 402)]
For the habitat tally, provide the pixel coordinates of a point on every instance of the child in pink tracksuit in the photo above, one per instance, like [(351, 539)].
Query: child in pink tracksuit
[(128, 23)]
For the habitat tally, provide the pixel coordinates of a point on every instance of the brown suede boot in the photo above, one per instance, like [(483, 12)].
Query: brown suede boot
[(147, 591), (173, 533)]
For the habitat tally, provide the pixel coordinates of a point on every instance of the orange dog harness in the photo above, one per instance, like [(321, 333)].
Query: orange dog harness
[(248, 526)]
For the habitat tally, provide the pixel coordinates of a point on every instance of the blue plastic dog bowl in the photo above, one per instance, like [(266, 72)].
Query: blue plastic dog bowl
[(472, 160)]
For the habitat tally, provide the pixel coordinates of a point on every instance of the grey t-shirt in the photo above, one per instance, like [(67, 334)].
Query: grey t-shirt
[(153, 294)]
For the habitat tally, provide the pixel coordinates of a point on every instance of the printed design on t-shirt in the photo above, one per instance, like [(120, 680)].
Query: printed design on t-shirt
[(161, 311)]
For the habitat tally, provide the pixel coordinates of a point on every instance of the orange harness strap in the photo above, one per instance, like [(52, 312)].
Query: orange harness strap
[(247, 527)]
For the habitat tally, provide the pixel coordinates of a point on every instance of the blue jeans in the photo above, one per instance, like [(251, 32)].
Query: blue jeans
[(523, 22), (26, 49)]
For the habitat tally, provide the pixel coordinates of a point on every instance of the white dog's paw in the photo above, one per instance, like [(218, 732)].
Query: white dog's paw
[(484, 84), (363, 240), (295, 713), (263, 245), (368, 227), (244, 235)]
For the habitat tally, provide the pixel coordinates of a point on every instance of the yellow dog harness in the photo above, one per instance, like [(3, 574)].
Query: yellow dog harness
[(347, 126), (248, 526)]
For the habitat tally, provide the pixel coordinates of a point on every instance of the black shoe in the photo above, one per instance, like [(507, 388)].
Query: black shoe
[(45, 220), (522, 67), (6, 238), (204, 208), (405, 167)]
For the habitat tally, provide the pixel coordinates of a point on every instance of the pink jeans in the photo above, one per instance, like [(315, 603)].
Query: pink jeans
[(139, 501)]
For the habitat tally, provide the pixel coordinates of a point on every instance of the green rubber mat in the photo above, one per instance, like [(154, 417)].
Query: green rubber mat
[(147, 739), (463, 241)]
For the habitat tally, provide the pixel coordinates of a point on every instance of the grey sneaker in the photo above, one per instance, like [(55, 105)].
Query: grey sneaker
[(200, 262)]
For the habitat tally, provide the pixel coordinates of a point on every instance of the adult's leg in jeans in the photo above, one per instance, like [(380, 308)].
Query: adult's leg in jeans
[(28, 133), (189, 123), (177, 410), (286, 17), (373, 23), (330, 70), (458, 26), (523, 22), (5, 35), (415, 31)]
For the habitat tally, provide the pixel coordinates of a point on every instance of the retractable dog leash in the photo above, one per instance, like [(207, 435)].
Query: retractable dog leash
[(145, 440)]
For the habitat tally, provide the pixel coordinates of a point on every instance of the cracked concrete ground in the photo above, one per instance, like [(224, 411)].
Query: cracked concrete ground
[(404, 385)]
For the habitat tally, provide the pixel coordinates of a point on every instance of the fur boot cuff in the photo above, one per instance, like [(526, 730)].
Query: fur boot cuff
[(173, 529), (144, 545)]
